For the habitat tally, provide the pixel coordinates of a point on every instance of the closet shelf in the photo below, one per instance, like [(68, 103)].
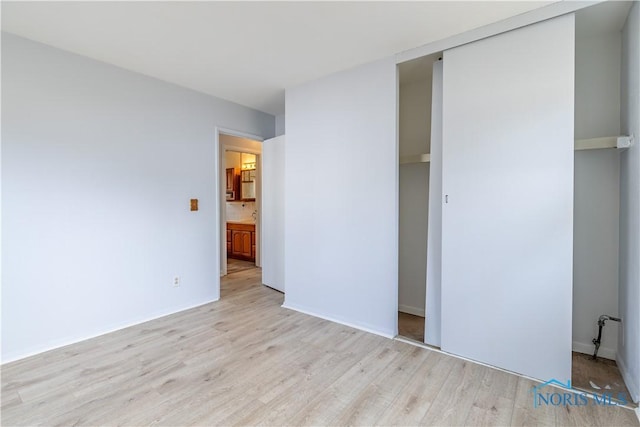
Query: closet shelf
[(618, 142), (417, 158), (605, 142)]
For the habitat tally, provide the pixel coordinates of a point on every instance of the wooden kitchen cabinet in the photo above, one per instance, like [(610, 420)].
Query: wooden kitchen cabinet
[(241, 241), (253, 245)]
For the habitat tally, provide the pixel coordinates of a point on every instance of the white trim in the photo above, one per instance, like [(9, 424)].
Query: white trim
[(411, 310), (637, 411), (237, 149), (630, 382), (220, 216), (239, 134), (584, 348), (547, 12), (365, 328), (396, 210), (125, 325)]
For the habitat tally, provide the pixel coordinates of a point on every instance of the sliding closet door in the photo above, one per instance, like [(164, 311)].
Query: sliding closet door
[(508, 199)]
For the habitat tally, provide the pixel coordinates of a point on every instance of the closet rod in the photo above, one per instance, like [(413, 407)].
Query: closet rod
[(580, 144), (606, 142)]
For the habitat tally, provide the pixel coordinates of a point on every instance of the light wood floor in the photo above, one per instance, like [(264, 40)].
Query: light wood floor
[(410, 326), (238, 265), (602, 373), (244, 360)]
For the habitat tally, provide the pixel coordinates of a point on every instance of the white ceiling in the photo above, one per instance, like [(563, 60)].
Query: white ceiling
[(601, 18), (246, 52)]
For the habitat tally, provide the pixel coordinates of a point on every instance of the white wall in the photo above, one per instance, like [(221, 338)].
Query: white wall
[(231, 158), (595, 250), (240, 211), (415, 116), (98, 166), (341, 153), (236, 142), (596, 197), (412, 239), (507, 228), (414, 136), (280, 125), (597, 109), (628, 355)]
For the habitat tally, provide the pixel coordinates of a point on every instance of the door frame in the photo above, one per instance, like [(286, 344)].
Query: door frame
[(220, 192)]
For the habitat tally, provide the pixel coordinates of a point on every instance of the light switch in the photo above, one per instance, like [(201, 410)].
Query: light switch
[(194, 204)]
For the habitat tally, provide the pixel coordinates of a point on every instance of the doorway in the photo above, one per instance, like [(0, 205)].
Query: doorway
[(240, 201), (251, 221)]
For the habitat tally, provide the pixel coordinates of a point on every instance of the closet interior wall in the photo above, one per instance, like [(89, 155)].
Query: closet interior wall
[(414, 140), (596, 184)]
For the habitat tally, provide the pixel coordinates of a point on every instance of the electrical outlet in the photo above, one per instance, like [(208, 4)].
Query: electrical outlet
[(176, 281)]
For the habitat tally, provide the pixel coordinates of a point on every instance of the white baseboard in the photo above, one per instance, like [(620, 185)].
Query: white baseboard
[(607, 353), (108, 330), (630, 382), (337, 319), (411, 310)]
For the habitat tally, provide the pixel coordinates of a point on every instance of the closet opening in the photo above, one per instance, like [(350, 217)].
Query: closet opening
[(599, 59), (415, 111)]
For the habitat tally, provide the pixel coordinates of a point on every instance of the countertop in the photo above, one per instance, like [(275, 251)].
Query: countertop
[(242, 221)]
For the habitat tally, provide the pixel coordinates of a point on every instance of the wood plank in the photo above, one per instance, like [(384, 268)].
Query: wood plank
[(245, 360)]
